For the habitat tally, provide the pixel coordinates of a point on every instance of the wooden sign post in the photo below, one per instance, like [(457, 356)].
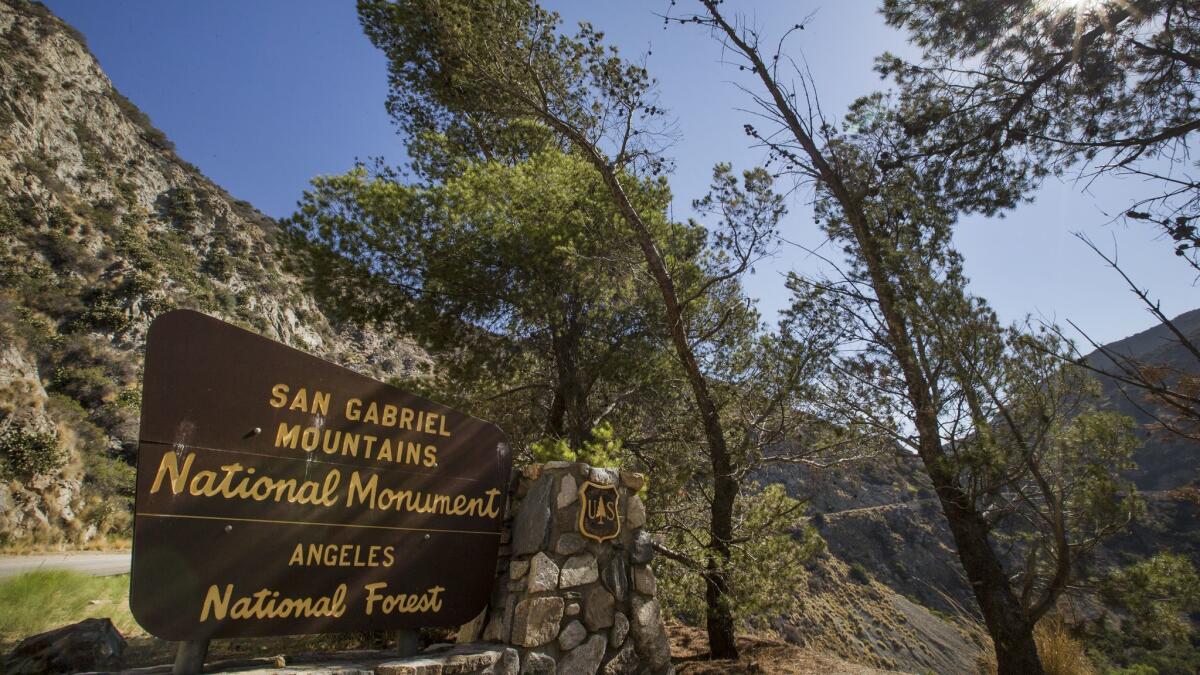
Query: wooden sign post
[(281, 494)]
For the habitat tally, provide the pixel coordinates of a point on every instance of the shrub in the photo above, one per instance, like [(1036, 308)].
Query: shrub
[(859, 574), (30, 453), (109, 476), (89, 385), (102, 312)]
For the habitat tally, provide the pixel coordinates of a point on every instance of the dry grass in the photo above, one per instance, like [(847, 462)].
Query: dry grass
[(29, 546), (1060, 652), (759, 654)]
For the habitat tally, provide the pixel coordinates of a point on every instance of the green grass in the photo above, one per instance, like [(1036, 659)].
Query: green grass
[(39, 601)]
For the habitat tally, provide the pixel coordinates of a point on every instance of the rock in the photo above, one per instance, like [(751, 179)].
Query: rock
[(569, 544), (635, 512), (500, 626), (568, 491), (598, 607), (643, 549), (620, 628), (538, 664), (472, 630), (572, 609), (603, 476), (517, 569), (533, 518), (584, 659), (616, 577), (633, 481), (535, 621), (449, 660), (643, 580), (578, 570), (624, 663), (91, 644), (510, 663), (543, 574), (571, 636), (556, 465), (649, 635)]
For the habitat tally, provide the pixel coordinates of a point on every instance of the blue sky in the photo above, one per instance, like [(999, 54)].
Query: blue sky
[(264, 95)]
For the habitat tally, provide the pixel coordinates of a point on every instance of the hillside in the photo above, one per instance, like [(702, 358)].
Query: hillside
[(103, 227), (883, 518)]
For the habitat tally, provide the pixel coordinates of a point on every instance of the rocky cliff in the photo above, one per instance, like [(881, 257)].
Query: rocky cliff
[(103, 227)]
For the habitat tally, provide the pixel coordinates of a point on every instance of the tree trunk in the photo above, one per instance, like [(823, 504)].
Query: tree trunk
[(725, 486), (1006, 620), (1011, 631), (571, 393), (722, 644)]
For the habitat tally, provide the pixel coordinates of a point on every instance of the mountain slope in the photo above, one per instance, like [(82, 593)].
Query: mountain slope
[(883, 517), (103, 227)]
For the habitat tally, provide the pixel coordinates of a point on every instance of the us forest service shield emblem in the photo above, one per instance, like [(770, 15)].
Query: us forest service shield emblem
[(599, 517)]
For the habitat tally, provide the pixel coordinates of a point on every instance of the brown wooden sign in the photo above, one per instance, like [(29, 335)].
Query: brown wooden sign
[(280, 494), (599, 517)]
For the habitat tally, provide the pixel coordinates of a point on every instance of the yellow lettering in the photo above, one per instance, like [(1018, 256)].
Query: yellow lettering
[(169, 465), (389, 415), (320, 403), (218, 602), (287, 436), (300, 401)]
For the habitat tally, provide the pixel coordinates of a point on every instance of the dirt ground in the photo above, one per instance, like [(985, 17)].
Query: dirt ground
[(689, 650)]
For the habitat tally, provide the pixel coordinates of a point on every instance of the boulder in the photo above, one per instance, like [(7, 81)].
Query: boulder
[(620, 628), (598, 608), (569, 544), (635, 512), (643, 580), (535, 621), (571, 636), (579, 570), (625, 662), (643, 548), (90, 645), (568, 491), (543, 574), (616, 577), (584, 659), (533, 518), (536, 663), (649, 634)]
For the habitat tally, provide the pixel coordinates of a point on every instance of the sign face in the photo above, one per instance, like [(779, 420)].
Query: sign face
[(599, 518), (280, 494)]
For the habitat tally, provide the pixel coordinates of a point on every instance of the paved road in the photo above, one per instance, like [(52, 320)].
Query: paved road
[(96, 564)]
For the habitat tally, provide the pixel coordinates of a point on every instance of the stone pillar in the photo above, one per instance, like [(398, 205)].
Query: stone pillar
[(570, 604)]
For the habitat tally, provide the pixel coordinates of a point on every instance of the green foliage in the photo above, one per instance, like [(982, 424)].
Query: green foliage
[(110, 476), (1158, 593), (90, 385), (181, 208), (859, 574), (102, 312), (1031, 88), (27, 453), (767, 565), (525, 261), (603, 449)]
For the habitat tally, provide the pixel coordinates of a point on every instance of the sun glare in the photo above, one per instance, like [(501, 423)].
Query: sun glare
[(1064, 6)]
